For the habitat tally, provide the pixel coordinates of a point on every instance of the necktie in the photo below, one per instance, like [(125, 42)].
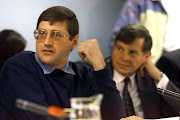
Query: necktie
[(128, 105)]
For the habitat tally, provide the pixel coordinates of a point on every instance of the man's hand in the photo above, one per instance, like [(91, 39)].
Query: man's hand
[(91, 50), (150, 69), (132, 118)]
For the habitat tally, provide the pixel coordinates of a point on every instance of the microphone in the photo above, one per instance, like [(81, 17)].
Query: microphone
[(168, 93), (52, 111)]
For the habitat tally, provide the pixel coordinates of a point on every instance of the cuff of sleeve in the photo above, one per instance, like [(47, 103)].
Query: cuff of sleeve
[(103, 75), (163, 82)]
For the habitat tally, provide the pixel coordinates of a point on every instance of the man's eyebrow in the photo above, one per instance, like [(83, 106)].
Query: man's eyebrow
[(118, 45), (133, 51), (57, 31), (41, 29)]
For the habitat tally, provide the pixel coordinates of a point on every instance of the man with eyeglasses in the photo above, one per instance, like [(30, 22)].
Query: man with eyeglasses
[(46, 77)]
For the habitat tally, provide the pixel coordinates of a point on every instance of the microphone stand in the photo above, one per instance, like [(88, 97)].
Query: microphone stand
[(51, 111), (168, 93)]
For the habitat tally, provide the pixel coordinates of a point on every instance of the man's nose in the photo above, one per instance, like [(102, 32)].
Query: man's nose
[(48, 40), (125, 56)]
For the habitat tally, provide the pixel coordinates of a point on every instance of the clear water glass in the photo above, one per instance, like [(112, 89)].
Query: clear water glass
[(86, 108)]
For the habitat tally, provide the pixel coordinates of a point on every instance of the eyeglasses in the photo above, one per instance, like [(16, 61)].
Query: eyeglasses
[(56, 36)]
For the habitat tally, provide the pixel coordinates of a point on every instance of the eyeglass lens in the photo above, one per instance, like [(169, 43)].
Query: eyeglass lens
[(56, 36)]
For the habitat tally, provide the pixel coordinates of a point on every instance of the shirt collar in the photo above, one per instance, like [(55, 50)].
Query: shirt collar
[(117, 77), (47, 69)]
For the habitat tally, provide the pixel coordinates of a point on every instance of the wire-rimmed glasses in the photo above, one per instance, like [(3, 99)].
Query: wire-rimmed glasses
[(55, 35)]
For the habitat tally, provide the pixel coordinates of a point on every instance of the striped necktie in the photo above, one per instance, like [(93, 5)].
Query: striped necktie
[(128, 105)]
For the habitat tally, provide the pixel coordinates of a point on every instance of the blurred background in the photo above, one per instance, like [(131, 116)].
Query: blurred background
[(96, 19)]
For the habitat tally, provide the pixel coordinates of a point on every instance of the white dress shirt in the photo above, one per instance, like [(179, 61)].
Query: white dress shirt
[(132, 88)]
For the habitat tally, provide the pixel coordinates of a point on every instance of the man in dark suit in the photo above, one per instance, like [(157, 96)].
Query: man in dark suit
[(130, 62), (169, 64)]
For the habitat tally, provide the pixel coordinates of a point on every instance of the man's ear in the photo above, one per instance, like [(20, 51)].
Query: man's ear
[(147, 56), (114, 44), (75, 41)]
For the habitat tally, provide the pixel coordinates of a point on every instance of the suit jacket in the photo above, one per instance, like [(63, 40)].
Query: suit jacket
[(154, 105), (169, 63)]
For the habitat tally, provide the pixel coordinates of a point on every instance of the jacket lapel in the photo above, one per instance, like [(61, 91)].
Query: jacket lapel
[(150, 100)]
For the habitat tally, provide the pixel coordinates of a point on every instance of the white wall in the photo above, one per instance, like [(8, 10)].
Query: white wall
[(96, 19)]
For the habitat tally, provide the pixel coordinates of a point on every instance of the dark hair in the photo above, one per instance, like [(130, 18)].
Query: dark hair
[(128, 34), (11, 43), (60, 13)]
